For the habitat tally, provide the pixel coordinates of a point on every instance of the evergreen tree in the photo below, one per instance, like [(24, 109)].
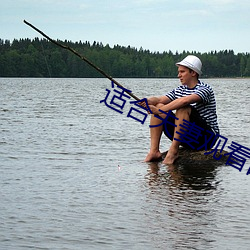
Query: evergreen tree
[(41, 58)]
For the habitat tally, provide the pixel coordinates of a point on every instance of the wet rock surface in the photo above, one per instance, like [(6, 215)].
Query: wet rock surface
[(187, 156)]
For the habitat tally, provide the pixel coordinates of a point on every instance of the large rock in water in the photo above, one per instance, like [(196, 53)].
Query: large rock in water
[(187, 156)]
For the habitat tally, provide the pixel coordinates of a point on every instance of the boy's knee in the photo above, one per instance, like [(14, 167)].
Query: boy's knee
[(185, 109)]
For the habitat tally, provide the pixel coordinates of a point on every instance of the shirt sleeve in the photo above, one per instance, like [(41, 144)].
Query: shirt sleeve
[(171, 95), (205, 94)]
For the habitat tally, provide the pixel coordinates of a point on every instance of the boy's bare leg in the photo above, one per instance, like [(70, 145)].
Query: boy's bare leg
[(173, 152), (155, 137)]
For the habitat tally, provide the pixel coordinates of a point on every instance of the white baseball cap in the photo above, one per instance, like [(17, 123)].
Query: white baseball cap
[(191, 62)]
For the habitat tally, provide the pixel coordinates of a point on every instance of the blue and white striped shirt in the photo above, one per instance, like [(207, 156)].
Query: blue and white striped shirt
[(206, 108)]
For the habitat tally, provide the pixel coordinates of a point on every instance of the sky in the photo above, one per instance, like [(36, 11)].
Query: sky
[(155, 25)]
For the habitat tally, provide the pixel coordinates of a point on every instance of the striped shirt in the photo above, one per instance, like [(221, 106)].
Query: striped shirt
[(206, 108)]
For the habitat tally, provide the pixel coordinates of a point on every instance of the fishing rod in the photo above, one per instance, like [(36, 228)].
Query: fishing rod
[(83, 58)]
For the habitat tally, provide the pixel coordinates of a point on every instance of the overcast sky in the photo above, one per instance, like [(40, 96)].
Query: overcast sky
[(157, 25)]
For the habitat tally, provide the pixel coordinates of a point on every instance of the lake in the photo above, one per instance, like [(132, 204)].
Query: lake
[(72, 174)]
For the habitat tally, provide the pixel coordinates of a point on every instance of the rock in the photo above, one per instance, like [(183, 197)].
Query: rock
[(187, 156)]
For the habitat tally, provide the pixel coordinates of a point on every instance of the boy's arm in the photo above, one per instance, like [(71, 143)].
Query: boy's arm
[(158, 100), (176, 104)]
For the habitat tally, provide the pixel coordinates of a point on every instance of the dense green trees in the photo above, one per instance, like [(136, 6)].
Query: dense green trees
[(40, 58)]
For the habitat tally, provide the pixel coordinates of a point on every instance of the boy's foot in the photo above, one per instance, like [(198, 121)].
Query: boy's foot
[(170, 158), (153, 156)]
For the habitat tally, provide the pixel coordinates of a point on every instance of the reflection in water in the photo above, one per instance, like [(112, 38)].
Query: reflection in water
[(183, 176), (183, 195)]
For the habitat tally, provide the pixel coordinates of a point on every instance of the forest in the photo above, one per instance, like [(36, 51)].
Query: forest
[(41, 58)]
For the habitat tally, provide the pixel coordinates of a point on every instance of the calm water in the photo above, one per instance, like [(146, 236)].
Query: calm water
[(72, 175)]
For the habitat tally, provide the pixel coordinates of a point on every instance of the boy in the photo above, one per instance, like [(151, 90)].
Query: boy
[(193, 101)]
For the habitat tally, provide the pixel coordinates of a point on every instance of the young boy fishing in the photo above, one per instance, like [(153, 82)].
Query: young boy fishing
[(195, 108)]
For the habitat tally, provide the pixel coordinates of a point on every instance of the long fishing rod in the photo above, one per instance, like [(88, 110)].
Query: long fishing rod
[(83, 58)]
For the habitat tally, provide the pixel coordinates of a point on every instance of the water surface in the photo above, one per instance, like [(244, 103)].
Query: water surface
[(72, 175)]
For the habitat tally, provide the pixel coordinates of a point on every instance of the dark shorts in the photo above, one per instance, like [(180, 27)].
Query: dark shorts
[(192, 140)]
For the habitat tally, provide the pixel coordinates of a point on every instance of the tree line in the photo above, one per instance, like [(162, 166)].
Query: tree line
[(41, 58)]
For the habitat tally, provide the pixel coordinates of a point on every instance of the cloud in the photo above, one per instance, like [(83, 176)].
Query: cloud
[(225, 5), (149, 2), (83, 6)]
